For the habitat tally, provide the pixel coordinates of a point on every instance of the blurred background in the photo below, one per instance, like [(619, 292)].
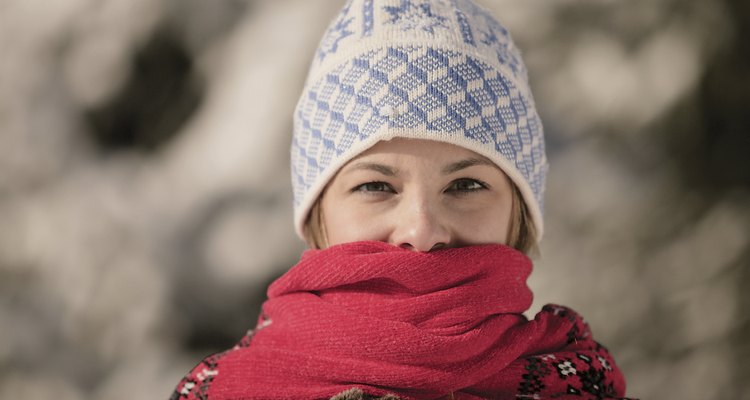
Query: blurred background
[(145, 201)]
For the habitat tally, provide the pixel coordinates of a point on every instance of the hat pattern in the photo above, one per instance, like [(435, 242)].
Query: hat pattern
[(476, 26), (409, 16)]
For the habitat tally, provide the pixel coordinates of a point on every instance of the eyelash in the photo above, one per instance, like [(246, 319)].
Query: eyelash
[(457, 192)]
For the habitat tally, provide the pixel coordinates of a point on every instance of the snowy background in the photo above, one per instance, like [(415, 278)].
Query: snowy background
[(145, 201)]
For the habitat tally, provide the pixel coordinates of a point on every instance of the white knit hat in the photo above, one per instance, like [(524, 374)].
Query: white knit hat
[(443, 70)]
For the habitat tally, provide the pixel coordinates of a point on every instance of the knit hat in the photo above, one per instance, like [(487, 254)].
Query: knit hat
[(443, 70)]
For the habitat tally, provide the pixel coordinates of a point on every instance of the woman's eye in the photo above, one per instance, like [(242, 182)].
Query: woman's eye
[(374, 187), (466, 185)]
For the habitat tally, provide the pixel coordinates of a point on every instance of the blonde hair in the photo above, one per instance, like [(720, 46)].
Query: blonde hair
[(521, 231)]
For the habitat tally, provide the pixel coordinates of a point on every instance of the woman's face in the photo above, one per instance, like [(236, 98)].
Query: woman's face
[(418, 194)]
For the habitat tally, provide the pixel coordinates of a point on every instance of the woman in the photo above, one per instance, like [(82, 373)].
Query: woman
[(418, 170)]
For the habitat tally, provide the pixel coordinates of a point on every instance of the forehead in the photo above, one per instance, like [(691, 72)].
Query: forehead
[(428, 149)]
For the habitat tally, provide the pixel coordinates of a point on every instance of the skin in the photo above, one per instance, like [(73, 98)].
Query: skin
[(401, 192)]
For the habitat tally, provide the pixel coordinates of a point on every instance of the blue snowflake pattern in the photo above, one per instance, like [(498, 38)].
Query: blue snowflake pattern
[(504, 55), (490, 38), (413, 17), (338, 31)]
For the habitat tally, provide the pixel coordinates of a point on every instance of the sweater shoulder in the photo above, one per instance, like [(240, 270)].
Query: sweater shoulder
[(196, 383)]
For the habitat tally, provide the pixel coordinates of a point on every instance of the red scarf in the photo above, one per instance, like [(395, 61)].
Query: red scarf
[(417, 325)]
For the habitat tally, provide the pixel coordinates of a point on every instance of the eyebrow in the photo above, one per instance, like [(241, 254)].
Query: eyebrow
[(469, 162), (383, 169), (447, 170)]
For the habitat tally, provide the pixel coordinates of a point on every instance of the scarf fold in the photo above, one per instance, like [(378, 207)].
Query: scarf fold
[(386, 320)]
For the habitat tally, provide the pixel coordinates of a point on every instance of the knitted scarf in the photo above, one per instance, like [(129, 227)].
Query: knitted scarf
[(368, 319)]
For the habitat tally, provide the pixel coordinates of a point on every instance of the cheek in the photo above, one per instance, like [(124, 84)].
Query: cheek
[(346, 223), (496, 227), (486, 224)]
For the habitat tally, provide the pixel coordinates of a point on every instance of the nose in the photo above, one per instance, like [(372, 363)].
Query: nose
[(419, 227)]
